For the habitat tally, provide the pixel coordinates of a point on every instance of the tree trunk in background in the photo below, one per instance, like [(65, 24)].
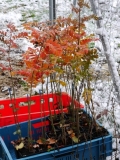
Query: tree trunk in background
[(52, 11), (74, 2), (109, 56)]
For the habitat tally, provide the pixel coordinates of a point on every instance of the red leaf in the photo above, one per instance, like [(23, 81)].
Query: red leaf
[(4, 67), (85, 41), (35, 33), (20, 35), (43, 55), (14, 45), (2, 50), (11, 27)]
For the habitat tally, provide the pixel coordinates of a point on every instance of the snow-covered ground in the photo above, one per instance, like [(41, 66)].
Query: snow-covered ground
[(21, 11)]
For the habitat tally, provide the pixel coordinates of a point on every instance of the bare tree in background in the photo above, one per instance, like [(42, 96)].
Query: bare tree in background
[(109, 56)]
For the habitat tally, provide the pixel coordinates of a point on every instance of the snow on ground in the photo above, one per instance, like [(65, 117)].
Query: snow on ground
[(21, 11)]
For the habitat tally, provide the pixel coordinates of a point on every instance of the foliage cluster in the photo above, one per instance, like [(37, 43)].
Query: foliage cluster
[(60, 51)]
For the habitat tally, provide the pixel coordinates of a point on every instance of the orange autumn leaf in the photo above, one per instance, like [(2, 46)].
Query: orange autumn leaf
[(82, 52), (20, 35), (52, 47), (35, 33), (76, 35), (13, 73), (85, 41), (43, 55), (48, 72), (45, 66), (25, 73), (67, 58)]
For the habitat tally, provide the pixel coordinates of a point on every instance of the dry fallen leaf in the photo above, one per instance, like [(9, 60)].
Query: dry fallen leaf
[(20, 146), (70, 131), (51, 140)]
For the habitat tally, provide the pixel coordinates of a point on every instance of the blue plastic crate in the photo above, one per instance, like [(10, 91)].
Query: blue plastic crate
[(97, 149)]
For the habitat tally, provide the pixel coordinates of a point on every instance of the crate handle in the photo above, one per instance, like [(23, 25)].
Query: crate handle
[(64, 154), (39, 120), (40, 124), (25, 103), (1, 106)]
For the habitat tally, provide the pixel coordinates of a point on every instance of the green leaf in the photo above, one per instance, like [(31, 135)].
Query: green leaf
[(118, 45), (17, 132), (59, 70), (26, 88), (91, 45)]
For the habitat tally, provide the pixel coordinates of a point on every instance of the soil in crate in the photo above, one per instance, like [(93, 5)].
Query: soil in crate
[(63, 131)]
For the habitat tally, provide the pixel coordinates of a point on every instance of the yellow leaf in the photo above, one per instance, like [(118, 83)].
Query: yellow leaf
[(59, 70), (20, 146), (75, 139), (87, 95), (13, 73), (63, 83)]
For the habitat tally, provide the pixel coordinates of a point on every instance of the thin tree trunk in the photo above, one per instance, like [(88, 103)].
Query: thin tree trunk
[(109, 56)]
